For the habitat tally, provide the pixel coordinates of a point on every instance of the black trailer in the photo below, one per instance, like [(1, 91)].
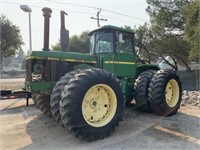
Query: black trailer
[(9, 94)]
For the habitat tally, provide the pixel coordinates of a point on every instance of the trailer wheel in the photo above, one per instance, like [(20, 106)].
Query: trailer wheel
[(141, 90), (56, 95), (165, 93), (42, 101), (92, 105)]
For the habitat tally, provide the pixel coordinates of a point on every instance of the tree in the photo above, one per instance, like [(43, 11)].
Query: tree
[(11, 39), (165, 16), (165, 33), (143, 36), (20, 57), (77, 43), (191, 14), (172, 46)]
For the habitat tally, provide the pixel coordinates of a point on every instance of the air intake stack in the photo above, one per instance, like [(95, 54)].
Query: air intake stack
[(64, 34), (47, 14)]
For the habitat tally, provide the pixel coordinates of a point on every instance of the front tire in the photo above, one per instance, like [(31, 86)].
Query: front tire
[(165, 93), (93, 104), (56, 95)]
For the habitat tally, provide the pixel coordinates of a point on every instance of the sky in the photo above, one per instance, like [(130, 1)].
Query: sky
[(117, 12)]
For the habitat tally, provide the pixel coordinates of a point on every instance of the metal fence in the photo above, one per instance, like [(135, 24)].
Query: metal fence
[(190, 80)]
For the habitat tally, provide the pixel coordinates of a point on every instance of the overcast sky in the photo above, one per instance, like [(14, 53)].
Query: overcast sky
[(117, 12)]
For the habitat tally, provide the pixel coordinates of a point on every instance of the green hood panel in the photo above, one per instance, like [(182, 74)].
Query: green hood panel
[(62, 56)]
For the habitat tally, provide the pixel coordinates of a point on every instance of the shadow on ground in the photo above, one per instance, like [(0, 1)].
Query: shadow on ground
[(137, 130)]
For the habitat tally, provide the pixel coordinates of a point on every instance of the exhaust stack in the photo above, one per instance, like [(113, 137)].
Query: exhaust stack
[(47, 14), (64, 34)]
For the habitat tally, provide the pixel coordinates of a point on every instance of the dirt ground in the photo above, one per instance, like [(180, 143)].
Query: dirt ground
[(27, 128)]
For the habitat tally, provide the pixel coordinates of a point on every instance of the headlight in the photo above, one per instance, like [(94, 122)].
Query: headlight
[(38, 68)]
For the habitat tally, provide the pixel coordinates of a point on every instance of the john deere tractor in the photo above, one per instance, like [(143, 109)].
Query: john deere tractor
[(87, 93)]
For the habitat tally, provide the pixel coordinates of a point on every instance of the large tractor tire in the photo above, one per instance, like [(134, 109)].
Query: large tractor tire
[(93, 104), (34, 98), (56, 95), (141, 90), (165, 93), (42, 101)]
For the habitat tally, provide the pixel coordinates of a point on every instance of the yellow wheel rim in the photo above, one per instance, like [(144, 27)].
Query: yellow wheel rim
[(99, 105), (172, 93)]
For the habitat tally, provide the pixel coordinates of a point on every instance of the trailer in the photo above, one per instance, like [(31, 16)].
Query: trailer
[(9, 94)]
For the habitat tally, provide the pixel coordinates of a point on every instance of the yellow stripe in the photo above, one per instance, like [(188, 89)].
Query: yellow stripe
[(70, 60), (57, 59), (119, 62), (179, 134), (32, 57)]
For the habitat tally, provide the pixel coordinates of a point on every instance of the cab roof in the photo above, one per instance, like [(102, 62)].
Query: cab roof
[(111, 28)]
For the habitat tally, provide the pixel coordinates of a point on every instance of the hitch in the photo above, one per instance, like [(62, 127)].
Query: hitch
[(8, 94)]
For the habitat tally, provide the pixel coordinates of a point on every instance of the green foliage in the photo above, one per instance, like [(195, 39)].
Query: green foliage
[(191, 14), (56, 47), (77, 43), (164, 36), (165, 15), (7, 61), (20, 56), (143, 36), (11, 39)]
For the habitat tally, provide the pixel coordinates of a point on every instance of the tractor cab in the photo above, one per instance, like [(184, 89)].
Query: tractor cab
[(111, 39), (115, 50)]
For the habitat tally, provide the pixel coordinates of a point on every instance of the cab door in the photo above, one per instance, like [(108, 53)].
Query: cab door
[(125, 55), (125, 65)]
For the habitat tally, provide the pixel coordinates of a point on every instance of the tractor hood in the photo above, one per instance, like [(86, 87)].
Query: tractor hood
[(62, 56)]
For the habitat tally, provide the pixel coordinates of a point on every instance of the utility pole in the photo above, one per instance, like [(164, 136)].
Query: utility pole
[(97, 18)]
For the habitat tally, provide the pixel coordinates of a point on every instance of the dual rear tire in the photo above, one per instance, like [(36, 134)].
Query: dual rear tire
[(165, 93), (57, 95), (90, 105), (159, 92)]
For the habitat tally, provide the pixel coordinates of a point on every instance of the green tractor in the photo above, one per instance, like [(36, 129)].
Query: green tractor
[(87, 93)]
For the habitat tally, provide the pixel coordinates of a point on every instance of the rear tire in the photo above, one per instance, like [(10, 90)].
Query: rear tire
[(141, 90), (56, 95), (165, 93), (92, 105)]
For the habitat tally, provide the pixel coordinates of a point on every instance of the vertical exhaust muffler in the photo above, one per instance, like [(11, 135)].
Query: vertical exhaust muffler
[(64, 34), (47, 14)]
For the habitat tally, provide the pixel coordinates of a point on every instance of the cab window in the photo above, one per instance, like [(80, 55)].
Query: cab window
[(125, 43), (102, 43)]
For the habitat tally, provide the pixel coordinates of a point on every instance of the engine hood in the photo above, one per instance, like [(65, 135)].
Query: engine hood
[(62, 56)]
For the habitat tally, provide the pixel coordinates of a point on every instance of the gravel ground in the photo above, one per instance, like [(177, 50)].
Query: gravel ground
[(27, 128), (191, 98)]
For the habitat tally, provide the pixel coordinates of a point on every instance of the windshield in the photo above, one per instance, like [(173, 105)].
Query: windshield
[(102, 43)]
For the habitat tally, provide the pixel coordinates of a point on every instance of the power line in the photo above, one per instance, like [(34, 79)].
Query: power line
[(124, 15), (72, 4), (98, 19), (81, 12), (68, 10), (121, 20), (85, 6)]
